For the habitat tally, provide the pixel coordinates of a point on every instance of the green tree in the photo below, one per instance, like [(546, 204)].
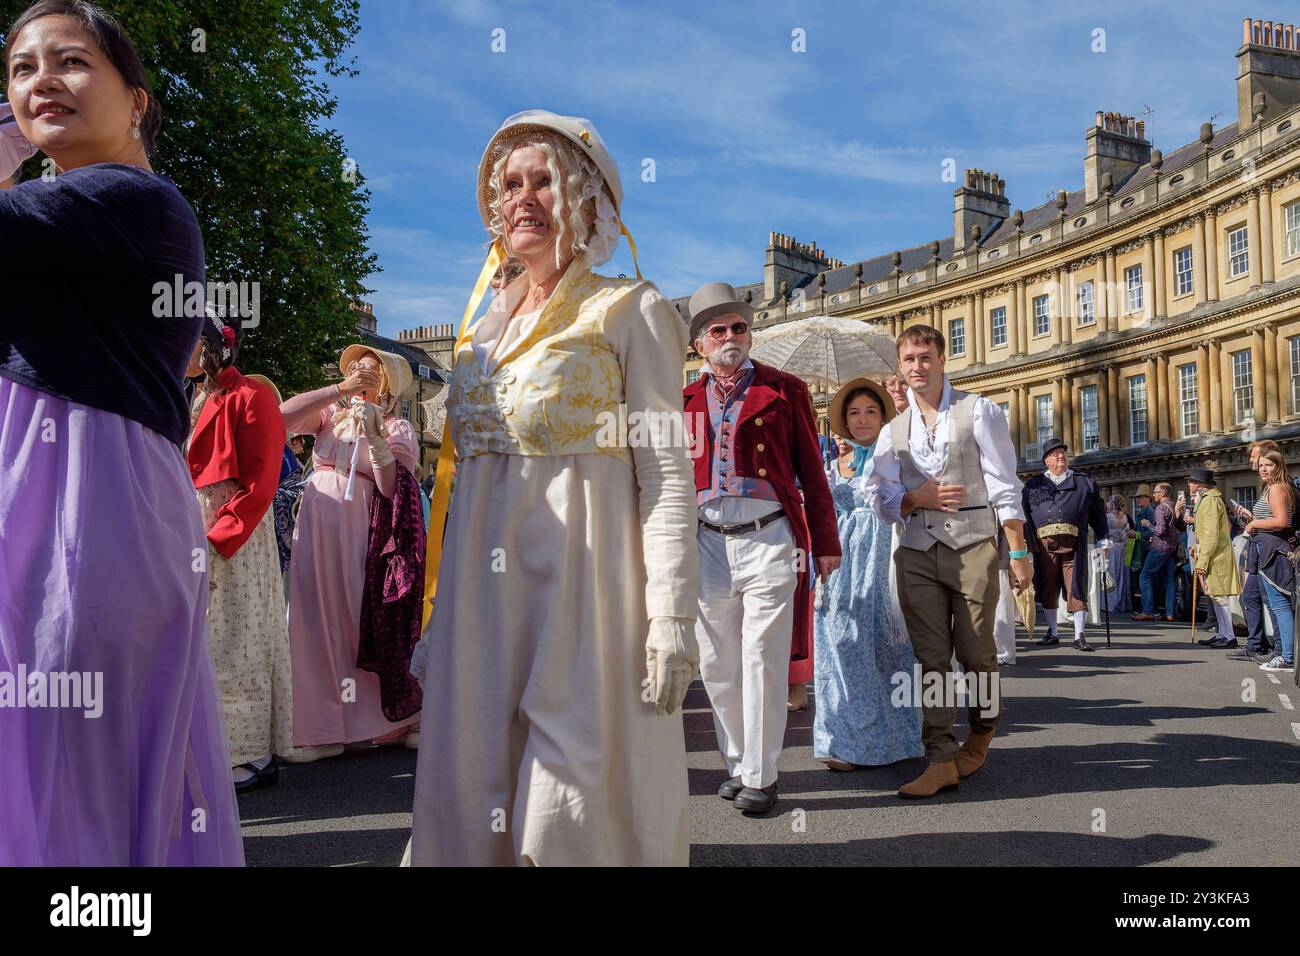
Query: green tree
[(243, 88)]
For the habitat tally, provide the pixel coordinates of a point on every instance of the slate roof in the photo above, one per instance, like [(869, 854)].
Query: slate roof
[(1035, 219)]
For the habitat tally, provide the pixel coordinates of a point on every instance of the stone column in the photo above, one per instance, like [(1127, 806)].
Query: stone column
[(1013, 415), (1266, 233), (1148, 280), (1198, 259), (1058, 408), (1103, 407), (1151, 372), (1073, 418), (1161, 309), (1203, 416), (1174, 400), (1112, 412), (1026, 420), (1112, 291), (1013, 322), (982, 333), (1066, 278), (1253, 238), (1258, 377), (1099, 296), (1273, 409), (1026, 315), (1054, 307), (1211, 256), (1216, 386)]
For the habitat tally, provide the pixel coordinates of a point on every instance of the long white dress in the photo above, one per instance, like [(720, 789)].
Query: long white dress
[(537, 748)]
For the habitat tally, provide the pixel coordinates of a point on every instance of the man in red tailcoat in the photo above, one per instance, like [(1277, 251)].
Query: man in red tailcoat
[(752, 434)]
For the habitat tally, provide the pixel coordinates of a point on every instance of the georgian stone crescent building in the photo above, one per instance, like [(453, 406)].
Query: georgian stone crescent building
[(1151, 318)]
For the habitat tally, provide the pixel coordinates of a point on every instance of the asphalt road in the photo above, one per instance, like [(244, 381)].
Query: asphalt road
[(1143, 754)]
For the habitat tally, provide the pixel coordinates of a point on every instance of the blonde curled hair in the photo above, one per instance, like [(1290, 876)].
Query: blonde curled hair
[(574, 191)]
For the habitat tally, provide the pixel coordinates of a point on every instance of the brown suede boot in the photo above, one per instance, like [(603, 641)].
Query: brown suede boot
[(937, 778), (973, 753)]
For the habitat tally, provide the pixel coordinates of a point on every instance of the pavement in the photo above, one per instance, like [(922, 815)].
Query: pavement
[(1155, 751)]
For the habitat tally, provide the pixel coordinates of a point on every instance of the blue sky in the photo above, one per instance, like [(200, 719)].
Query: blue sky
[(842, 144)]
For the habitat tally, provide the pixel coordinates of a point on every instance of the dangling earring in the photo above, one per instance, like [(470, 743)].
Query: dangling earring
[(135, 128)]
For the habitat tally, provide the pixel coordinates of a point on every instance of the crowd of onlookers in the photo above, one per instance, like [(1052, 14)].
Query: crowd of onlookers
[(1160, 573)]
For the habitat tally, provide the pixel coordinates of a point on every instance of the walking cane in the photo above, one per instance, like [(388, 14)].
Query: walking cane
[(1105, 608), (1193, 638)]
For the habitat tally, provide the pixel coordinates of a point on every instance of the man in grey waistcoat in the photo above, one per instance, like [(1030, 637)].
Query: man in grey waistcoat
[(946, 470)]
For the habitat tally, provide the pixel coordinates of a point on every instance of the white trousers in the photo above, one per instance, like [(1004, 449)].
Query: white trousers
[(747, 587)]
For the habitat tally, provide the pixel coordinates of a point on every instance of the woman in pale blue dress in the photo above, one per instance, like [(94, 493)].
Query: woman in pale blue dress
[(858, 639)]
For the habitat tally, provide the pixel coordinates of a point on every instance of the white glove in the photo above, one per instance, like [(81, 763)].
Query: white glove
[(672, 661), (1105, 544), (372, 426), (14, 147)]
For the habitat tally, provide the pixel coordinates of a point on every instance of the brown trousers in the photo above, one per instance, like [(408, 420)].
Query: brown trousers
[(1055, 560), (949, 599)]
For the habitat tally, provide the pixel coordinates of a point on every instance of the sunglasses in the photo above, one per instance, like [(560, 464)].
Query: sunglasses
[(719, 332)]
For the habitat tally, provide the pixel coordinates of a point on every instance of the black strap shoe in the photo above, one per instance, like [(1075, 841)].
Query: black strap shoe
[(730, 788), (1082, 645), (753, 800), (1048, 640), (266, 776)]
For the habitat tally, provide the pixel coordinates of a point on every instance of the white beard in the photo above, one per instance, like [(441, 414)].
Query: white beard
[(729, 355)]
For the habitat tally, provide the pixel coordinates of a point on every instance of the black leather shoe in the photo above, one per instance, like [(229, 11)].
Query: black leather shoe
[(1048, 640), (730, 788), (1082, 645), (1208, 641), (753, 800), (1220, 643), (267, 776)]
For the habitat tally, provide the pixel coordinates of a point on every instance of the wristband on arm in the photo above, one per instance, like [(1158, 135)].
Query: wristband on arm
[(1017, 555)]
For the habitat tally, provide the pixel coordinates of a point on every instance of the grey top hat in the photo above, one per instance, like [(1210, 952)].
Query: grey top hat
[(1051, 444), (712, 300)]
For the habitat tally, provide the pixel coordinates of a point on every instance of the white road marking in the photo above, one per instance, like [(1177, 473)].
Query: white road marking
[(1286, 701), (1273, 678), (1295, 729)]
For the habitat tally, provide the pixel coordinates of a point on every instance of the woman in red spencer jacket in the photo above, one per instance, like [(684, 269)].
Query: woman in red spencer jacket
[(234, 456)]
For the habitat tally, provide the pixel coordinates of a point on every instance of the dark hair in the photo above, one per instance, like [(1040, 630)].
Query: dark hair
[(112, 42), (853, 396), (922, 335)]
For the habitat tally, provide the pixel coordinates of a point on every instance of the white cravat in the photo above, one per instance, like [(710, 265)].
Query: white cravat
[(1057, 479), (885, 489)]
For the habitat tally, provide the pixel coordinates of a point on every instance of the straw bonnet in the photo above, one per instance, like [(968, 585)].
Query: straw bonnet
[(1144, 491), (269, 384), (836, 412), (712, 300), (576, 129), (397, 370)]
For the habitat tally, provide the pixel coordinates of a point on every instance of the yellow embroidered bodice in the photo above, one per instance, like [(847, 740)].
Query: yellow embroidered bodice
[(548, 390)]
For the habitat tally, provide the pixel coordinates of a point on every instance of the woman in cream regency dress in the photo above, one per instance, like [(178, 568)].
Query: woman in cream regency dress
[(561, 544)]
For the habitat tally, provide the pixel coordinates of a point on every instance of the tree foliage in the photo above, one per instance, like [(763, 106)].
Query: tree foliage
[(243, 88)]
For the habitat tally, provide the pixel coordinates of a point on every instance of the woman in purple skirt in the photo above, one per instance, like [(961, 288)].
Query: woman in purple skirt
[(112, 742)]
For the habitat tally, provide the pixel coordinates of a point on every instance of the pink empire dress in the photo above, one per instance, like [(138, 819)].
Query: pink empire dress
[(326, 580)]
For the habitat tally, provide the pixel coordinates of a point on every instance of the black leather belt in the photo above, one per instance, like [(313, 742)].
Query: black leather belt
[(749, 527)]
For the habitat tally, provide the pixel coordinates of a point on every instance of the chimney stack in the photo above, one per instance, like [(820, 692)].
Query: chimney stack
[(789, 260), (1268, 63), (982, 202), (1116, 144)]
